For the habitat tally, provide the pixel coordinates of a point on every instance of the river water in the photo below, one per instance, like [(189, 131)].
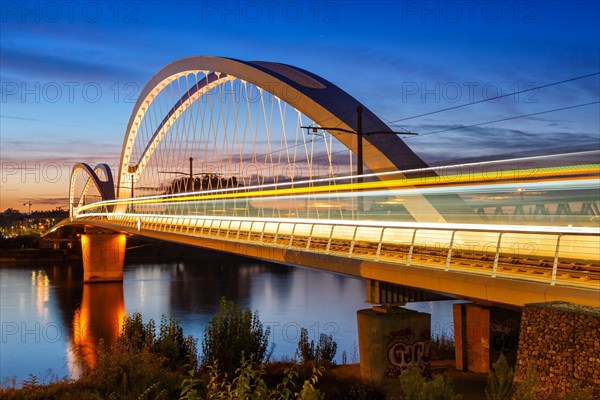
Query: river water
[(51, 322)]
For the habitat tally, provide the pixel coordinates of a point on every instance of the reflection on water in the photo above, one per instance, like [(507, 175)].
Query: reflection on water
[(100, 316), (286, 298), (52, 323), (40, 281)]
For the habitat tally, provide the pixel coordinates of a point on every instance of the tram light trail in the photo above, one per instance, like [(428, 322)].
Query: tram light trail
[(451, 181)]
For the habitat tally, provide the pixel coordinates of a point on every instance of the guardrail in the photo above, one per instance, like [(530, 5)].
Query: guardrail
[(553, 255)]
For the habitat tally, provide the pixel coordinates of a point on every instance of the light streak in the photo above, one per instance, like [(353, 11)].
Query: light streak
[(371, 223), (452, 181)]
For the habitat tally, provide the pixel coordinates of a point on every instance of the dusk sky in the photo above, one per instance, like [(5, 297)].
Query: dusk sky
[(71, 72)]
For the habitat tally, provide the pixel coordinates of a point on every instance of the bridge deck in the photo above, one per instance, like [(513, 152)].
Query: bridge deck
[(467, 262)]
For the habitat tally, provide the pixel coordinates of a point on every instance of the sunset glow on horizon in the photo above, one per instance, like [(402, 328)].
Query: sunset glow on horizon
[(477, 80)]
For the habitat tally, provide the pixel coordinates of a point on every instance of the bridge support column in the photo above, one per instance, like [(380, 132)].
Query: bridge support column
[(390, 339), (103, 256), (482, 333)]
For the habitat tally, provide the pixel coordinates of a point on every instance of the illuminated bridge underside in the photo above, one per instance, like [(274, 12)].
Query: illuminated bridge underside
[(403, 255)]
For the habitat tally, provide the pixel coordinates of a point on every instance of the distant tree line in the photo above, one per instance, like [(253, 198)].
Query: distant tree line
[(10, 216), (203, 182)]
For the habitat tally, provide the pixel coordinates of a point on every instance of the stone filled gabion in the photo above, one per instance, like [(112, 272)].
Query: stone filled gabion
[(561, 341)]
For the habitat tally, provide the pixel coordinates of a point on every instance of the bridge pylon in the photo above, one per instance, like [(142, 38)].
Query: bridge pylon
[(103, 256), (390, 337)]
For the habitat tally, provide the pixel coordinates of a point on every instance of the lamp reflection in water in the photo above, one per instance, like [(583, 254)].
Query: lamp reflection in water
[(100, 316), (40, 280)]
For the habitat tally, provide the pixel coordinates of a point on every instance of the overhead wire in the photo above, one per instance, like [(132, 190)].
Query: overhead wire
[(510, 118), (495, 97)]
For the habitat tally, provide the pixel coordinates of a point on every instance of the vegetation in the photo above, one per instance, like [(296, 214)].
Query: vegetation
[(500, 381), (140, 364), (248, 383), (206, 182), (147, 362), (233, 334), (442, 347), (502, 385), (416, 387), (526, 388), (321, 354)]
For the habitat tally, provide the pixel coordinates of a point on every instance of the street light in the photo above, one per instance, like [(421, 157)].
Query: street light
[(29, 203), (190, 182), (360, 133)]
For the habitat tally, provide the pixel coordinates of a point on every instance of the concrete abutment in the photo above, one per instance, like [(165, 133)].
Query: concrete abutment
[(560, 342)]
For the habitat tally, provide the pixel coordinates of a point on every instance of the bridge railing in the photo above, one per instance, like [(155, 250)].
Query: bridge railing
[(568, 256)]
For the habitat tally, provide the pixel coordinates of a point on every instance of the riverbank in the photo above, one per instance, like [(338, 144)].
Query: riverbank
[(26, 250), (341, 382), (148, 360), (10, 257)]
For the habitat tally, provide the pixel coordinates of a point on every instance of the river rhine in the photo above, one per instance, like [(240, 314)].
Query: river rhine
[(51, 322)]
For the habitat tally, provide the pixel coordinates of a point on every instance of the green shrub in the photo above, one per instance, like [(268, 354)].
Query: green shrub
[(326, 349), (306, 349), (190, 387), (309, 391), (135, 335), (248, 383), (128, 373), (178, 350), (231, 334), (344, 357), (526, 388), (415, 386), (142, 363), (500, 381)]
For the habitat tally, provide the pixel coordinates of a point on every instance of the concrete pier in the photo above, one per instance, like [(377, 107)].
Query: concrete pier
[(103, 256), (482, 333), (391, 339)]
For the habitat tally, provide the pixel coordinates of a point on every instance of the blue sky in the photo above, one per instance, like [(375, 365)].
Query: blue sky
[(71, 71)]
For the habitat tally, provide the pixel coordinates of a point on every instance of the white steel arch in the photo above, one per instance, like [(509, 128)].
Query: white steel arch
[(318, 99), (105, 187)]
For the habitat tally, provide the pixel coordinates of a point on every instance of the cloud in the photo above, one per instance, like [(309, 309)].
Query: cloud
[(22, 118), (51, 149), (53, 201), (43, 121), (483, 142), (31, 65)]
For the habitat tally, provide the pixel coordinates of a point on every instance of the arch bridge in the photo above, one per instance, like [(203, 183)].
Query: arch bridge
[(217, 154)]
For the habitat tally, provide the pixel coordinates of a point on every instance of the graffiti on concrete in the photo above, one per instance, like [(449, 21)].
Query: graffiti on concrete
[(405, 349)]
